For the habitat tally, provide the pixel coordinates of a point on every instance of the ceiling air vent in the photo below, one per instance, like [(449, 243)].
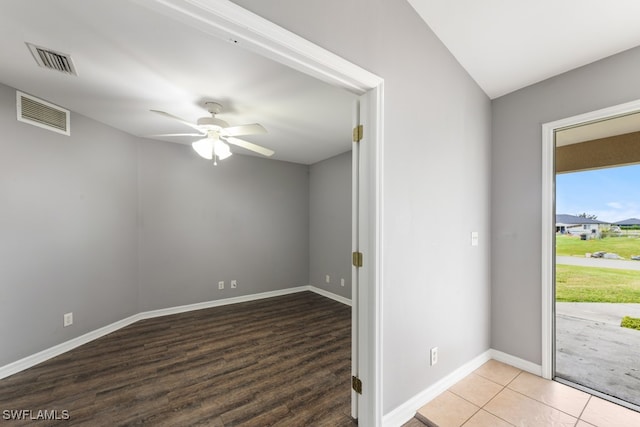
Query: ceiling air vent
[(42, 114), (52, 60)]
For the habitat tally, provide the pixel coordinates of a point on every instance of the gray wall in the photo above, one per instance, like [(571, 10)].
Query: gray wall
[(330, 224), (246, 219), (436, 287), (68, 238), (517, 188)]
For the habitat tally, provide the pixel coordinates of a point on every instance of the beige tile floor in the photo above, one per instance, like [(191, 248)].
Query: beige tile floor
[(497, 395)]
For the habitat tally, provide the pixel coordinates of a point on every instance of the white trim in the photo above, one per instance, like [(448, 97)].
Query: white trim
[(232, 23), (375, 231), (548, 250), (407, 410), (516, 362), (44, 355), (367, 206), (355, 242), (548, 220), (220, 302), (331, 295)]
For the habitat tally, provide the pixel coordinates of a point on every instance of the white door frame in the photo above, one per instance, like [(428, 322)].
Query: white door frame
[(548, 220), (233, 23), (355, 245)]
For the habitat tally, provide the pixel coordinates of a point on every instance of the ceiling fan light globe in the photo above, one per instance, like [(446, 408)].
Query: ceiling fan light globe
[(221, 150), (204, 148)]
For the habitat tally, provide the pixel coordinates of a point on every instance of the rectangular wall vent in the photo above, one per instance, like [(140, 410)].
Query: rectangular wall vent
[(52, 60), (42, 114)]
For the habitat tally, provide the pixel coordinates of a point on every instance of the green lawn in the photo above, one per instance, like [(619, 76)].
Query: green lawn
[(573, 246), (591, 284)]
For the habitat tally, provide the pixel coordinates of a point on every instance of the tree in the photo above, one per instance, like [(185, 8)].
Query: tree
[(588, 216)]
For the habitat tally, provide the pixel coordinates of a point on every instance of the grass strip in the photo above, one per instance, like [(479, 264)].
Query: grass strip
[(593, 284)]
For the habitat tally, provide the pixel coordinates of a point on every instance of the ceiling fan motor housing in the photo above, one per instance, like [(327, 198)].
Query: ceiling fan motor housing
[(212, 123), (213, 107)]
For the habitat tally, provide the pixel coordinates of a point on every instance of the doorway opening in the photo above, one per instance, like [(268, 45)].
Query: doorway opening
[(591, 278), (232, 22)]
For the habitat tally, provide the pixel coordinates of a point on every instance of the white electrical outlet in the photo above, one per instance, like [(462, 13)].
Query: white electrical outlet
[(221, 284), (67, 319), (474, 238), (234, 284), (341, 282), (434, 356), (327, 279)]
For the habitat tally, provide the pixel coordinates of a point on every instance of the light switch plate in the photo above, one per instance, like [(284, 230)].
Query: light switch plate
[(67, 319), (474, 238)]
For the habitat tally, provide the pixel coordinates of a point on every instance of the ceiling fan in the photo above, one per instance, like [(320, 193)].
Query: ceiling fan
[(218, 134)]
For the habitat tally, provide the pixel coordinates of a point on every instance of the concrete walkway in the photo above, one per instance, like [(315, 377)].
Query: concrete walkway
[(593, 350)]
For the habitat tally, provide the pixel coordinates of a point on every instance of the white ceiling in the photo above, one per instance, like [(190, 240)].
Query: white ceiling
[(506, 45), (132, 59)]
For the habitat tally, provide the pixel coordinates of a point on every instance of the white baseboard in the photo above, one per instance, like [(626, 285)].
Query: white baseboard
[(407, 410), (517, 362), (220, 302), (34, 359), (331, 295)]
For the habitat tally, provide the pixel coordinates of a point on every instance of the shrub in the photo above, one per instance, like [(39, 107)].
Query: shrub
[(630, 322)]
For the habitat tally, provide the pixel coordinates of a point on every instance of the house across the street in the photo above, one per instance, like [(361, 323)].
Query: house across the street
[(577, 225), (628, 222)]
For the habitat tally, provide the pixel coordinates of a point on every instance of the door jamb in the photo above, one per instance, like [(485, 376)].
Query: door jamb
[(548, 219)]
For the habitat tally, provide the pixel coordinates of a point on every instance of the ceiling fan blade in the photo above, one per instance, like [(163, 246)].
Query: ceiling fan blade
[(171, 116), (250, 146), (176, 134), (252, 129)]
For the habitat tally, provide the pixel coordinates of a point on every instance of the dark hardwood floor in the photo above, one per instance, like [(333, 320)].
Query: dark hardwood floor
[(283, 361)]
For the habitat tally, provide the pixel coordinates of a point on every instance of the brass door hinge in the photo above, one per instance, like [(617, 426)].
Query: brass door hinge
[(357, 259), (357, 133), (356, 384)]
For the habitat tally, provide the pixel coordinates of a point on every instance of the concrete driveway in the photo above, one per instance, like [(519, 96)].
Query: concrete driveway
[(593, 350)]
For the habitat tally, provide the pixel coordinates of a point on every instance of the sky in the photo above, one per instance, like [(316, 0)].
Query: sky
[(612, 194)]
